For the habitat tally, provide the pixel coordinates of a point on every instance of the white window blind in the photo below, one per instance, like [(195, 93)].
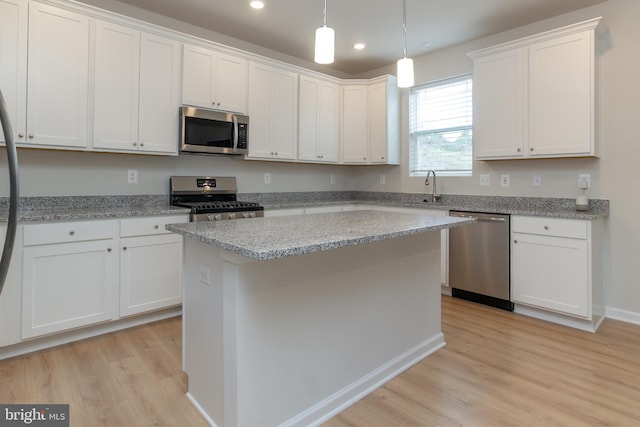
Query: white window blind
[(440, 127)]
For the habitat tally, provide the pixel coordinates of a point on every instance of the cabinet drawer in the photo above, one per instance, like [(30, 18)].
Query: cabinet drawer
[(149, 225), (64, 232), (575, 229)]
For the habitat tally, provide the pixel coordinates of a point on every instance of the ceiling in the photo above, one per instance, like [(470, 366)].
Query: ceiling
[(288, 26)]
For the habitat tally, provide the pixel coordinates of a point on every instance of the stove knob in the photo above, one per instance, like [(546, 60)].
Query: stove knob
[(246, 215), (232, 216), (210, 218), (217, 217)]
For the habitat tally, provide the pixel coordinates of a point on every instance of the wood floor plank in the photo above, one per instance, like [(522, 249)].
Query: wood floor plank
[(497, 369)]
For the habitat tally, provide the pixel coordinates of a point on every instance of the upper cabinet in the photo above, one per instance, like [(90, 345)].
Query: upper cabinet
[(213, 79), (58, 78), (273, 118), (318, 120), (535, 97), (137, 83), (13, 63), (370, 117)]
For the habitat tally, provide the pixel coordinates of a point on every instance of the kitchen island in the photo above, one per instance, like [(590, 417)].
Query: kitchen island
[(289, 320)]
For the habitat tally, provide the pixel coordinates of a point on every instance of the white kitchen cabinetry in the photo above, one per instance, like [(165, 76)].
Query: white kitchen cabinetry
[(13, 63), (273, 112), (11, 298), (58, 78), (370, 117), (556, 265), (535, 97), (319, 119), (68, 276), (150, 264), (137, 83), (214, 79)]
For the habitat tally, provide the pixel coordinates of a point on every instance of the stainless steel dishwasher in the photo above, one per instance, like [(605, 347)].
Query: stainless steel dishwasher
[(479, 260)]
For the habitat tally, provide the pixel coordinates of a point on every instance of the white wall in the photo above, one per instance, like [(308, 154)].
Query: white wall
[(613, 175)]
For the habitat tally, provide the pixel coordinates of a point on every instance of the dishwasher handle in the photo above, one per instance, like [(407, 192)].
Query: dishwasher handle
[(479, 217)]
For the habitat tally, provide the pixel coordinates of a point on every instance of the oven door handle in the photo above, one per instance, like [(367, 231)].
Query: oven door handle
[(235, 131)]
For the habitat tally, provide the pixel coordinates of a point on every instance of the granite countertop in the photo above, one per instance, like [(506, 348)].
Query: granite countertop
[(70, 208), (278, 237), (526, 206)]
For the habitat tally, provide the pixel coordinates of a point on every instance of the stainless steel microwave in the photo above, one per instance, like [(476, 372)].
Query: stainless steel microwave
[(213, 132)]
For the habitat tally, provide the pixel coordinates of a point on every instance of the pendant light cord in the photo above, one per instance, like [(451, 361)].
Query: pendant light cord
[(404, 27), (324, 16)]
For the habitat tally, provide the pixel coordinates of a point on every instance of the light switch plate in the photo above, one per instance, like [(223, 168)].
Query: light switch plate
[(485, 179), (132, 176), (537, 180), (267, 178), (505, 180)]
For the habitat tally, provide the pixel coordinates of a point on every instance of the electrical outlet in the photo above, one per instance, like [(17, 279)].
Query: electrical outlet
[(332, 179), (381, 180), (132, 176), (267, 178), (584, 181), (505, 180), (205, 275), (485, 180), (537, 180)]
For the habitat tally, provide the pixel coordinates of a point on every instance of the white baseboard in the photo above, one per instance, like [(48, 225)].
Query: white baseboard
[(204, 414), (342, 399), (622, 315), (41, 343)]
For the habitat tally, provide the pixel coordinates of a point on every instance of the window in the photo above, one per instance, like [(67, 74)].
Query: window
[(440, 128)]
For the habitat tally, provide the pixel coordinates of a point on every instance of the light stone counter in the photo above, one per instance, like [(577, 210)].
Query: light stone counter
[(271, 238)]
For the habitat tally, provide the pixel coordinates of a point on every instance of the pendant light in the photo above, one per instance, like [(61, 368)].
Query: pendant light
[(325, 37), (405, 65)]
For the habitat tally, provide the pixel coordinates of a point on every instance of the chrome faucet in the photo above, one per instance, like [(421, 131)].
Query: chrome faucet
[(434, 193)]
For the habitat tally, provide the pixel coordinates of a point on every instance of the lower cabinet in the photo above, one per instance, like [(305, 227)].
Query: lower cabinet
[(77, 274), (556, 265), (150, 265), (68, 276)]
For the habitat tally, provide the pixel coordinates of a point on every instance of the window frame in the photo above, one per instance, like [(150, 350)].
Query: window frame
[(462, 128)]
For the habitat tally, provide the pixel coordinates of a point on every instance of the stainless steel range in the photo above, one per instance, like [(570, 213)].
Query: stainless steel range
[(211, 198)]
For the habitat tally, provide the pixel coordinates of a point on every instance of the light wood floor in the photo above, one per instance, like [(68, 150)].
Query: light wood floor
[(498, 369)]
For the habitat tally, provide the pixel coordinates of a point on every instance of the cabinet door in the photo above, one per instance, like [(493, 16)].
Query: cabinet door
[(355, 124), (378, 123), (328, 121), (499, 105), (198, 76), (117, 73), (13, 63), (284, 104), (260, 114), (67, 286), (159, 94), (561, 96), (551, 272), (308, 107), (58, 77), (150, 273), (230, 87)]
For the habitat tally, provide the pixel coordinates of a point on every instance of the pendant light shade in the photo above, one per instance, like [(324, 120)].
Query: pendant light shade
[(405, 65), (405, 72), (325, 40)]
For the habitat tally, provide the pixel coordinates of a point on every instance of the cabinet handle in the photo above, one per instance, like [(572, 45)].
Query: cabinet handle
[(546, 227), (124, 248), (21, 135), (71, 232), (108, 249), (531, 149), (142, 144), (519, 150), (515, 241), (156, 226), (30, 136), (135, 144)]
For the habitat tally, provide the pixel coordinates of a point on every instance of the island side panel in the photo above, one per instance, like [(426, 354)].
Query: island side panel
[(316, 332)]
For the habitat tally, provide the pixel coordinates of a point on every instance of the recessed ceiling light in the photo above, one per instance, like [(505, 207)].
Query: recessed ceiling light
[(256, 4), (359, 46), (426, 44)]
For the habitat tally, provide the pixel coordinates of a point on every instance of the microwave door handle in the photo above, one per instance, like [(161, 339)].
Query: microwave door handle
[(235, 131)]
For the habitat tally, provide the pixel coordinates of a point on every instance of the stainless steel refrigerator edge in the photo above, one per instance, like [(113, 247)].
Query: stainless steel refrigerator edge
[(479, 260), (12, 158)]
